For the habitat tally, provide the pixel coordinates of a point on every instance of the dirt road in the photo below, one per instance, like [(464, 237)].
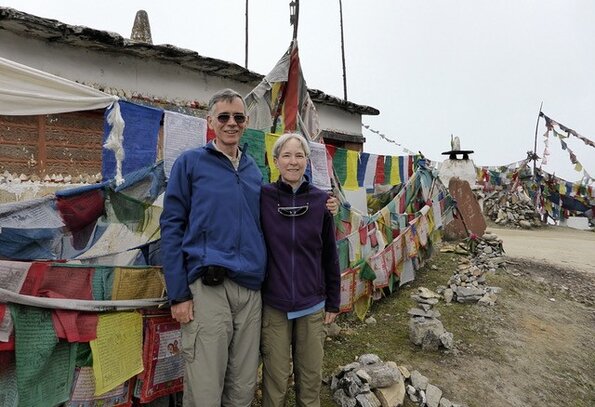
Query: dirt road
[(558, 246)]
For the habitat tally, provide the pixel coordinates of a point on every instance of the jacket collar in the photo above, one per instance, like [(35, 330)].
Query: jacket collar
[(304, 187)]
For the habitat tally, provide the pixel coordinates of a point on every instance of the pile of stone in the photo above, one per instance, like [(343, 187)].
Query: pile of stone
[(370, 382), (425, 329), (513, 209), (468, 285), (422, 392), (488, 253)]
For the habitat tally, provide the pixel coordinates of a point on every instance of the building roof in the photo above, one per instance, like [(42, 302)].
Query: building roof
[(28, 25)]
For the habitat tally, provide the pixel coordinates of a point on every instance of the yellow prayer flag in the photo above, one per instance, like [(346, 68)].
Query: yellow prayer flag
[(351, 179), (269, 141), (362, 305), (117, 351), (133, 283), (395, 173), (385, 214), (151, 230)]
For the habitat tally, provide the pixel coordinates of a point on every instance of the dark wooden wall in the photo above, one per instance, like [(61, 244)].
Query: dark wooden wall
[(66, 143)]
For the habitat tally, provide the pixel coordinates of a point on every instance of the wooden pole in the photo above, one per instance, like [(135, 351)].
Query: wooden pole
[(246, 48), (343, 52)]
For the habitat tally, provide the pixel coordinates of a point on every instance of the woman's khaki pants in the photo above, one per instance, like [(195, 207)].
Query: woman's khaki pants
[(303, 338)]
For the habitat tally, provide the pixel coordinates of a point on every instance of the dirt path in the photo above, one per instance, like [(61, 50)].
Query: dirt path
[(535, 347), (558, 246)]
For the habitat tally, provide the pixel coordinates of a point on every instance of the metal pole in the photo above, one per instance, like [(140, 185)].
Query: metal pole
[(343, 52), (246, 49), (296, 19)]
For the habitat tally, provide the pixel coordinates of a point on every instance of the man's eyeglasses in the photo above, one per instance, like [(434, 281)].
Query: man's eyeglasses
[(293, 211), (239, 118)]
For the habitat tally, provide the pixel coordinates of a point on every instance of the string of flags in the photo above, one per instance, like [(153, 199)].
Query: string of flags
[(562, 133), (385, 138)]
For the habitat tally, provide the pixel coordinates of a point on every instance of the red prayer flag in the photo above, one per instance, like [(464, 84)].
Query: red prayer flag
[(379, 178)]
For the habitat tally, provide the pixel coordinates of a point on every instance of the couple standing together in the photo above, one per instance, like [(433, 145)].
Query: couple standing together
[(248, 268)]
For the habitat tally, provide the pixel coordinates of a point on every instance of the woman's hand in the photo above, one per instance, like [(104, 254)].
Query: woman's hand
[(329, 317), (332, 204)]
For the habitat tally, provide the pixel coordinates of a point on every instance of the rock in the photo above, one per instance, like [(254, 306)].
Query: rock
[(416, 312), (419, 327), (426, 293), (364, 376), (430, 301), (383, 374), (448, 294), (367, 400), (444, 402), (405, 372), (489, 236), (489, 299), (425, 307), (343, 400), (433, 395), (369, 359), (469, 294), (446, 339), (333, 330), (350, 367), (392, 396), (370, 321), (525, 224), (418, 381), (351, 384)]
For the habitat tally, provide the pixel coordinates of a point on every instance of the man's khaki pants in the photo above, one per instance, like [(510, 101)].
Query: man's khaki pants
[(281, 338), (220, 346)]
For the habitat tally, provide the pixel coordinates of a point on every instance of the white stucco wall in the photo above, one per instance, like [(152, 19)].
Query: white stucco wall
[(332, 118), (166, 81), (461, 169), (145, 76)]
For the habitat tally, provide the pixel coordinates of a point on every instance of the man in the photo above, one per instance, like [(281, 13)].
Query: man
[(214, 260)]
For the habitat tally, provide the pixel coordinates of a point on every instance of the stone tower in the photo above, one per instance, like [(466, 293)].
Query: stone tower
[(141, 30)]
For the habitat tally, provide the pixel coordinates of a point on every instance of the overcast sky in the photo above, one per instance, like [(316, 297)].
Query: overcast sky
[(478, 69)]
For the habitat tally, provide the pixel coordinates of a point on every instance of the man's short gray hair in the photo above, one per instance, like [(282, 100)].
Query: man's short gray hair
[(285, 138), (226, 95)]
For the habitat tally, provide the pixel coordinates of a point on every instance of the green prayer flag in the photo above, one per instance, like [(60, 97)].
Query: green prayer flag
[(254, 141), (45, 366), (367, 273), (343, 249), (340, 164)]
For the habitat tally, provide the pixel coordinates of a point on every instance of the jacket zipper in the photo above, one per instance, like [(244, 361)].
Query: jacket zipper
[(293, 242)]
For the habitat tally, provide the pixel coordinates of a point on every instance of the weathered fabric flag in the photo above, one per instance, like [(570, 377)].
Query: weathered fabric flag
[(281, 103)]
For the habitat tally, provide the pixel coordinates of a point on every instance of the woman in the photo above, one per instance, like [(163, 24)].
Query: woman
[(301, 291)]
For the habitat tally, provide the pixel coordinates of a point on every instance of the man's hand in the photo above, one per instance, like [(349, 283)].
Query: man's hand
[(332, 204), (183, 312), (329, 317)]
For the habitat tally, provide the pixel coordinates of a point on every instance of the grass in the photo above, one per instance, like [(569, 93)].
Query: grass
[(475, 330), (389, 337)]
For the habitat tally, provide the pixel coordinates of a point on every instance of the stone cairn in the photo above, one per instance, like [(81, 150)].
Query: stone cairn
[(425, 329), (468, 282), (370, 382), (425, 394), (513, 209)]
